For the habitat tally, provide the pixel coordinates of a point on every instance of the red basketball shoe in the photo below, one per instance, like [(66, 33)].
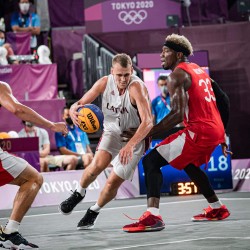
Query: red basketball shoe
[(147, 222), (212, 214)]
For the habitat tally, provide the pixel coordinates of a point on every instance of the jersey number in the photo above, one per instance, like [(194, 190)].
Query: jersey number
[(207, 89)]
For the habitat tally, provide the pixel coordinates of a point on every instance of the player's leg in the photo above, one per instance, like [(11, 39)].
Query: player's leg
[(29, 181), (107, 194), (114, 181), (152, 164), (100, 162), (151, 219), (19, 172), (216, 210)]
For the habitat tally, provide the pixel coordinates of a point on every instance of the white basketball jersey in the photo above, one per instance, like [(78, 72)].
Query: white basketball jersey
[(119, 113)]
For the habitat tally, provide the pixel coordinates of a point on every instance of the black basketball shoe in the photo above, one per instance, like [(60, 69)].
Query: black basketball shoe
[(15, 241), (67, 206), (88, 221)]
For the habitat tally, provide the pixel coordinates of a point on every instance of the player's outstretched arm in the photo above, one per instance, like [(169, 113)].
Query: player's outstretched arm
[(25, 113)]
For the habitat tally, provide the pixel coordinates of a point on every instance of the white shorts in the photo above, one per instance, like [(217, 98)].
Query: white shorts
[(10, 167), (111, 142)]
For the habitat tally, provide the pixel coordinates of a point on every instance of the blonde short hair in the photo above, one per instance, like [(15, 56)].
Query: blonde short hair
[(180, 41), (123, 59)]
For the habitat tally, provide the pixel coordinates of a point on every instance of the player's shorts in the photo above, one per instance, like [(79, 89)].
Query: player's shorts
[(10, 167), (56, 160), (111, 142), (184, 148)]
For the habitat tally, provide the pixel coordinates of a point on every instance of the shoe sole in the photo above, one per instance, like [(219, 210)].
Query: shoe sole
[(60, 210), (9, 245), (88, 227), (214, 219), (144, 230)]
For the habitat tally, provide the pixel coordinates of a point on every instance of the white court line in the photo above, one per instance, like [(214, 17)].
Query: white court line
[(134, 206), (116, 230), (176, 242)]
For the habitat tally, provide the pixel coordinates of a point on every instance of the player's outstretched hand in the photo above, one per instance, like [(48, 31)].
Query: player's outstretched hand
[(128, 134), (60, 127)]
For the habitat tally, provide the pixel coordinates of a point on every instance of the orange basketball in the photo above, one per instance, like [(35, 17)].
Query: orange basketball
[(92, 120)]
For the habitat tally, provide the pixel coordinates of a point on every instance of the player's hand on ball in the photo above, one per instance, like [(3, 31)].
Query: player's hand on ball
[(73, 112), (90, 118)]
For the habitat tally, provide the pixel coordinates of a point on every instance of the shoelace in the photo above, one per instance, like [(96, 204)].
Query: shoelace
[(140, 219), (207, 210), (74, 195)]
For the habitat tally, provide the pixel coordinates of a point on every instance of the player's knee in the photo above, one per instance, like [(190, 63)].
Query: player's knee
[(38, 180)]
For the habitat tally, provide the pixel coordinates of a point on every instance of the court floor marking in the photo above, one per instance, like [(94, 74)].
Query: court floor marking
[(132, 206), (98, 230), (176, 242)]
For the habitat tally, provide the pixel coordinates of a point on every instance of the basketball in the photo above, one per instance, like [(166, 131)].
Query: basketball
[(92, 120)]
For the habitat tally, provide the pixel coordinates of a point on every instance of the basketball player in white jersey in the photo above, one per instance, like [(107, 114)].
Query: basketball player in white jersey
[(125, 104), (16, 171)]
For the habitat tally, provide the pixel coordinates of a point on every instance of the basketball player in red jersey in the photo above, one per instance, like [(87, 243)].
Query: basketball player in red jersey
[(16, 171), (192, 102)]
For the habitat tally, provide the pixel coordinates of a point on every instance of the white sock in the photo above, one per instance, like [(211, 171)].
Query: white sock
[(153, 210), (216, 204), (11, 227), (81, 190), (95, 208)]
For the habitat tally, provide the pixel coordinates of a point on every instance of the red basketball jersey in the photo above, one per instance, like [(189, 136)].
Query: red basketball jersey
[(201, 114)]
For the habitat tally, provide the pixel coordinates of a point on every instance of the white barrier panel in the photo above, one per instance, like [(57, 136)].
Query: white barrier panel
[(57, 187), (241, 175)]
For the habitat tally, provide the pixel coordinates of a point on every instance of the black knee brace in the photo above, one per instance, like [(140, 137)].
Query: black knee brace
[(152, 163)]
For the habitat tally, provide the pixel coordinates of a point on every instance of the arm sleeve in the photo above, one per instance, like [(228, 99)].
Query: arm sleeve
[(222, 102)]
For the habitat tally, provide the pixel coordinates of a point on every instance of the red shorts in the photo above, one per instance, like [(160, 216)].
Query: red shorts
[(183, 148)]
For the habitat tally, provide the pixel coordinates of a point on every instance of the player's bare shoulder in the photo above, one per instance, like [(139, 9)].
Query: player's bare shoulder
[(134, 87), (180, 78), (4, 88), (137, 90), (102, 83)]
